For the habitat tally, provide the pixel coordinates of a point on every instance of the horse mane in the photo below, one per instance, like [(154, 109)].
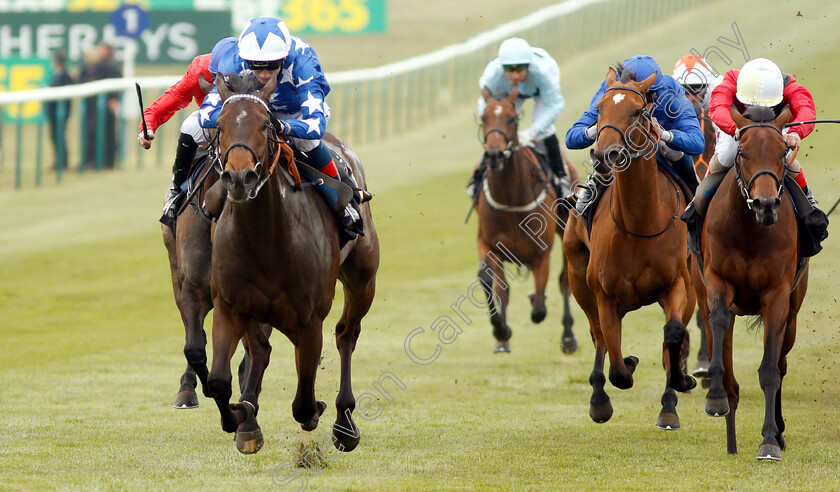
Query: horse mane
[(759, 114), (243, 83)]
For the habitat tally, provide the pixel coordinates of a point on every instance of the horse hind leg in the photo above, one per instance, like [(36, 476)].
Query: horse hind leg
[(194, 309), (308, 346), (675, 355), (540, 269), (569, 344)]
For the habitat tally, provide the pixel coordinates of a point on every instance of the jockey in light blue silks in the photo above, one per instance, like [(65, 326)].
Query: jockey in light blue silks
[(535, 73), (266, 48), (679, 130)]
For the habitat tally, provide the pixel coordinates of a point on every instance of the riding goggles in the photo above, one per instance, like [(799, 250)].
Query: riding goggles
[(516, 68), (264, 65)]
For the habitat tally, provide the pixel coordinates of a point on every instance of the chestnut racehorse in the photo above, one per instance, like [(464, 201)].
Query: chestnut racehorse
[(636, 252), (275, 260), (518, 216), (751, 251)]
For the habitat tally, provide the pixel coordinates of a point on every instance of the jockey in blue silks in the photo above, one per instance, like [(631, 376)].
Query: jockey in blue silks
[(267, 49), (680, 133)]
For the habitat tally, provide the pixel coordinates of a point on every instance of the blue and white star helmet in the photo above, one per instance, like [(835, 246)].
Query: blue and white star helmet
[(265, 39)]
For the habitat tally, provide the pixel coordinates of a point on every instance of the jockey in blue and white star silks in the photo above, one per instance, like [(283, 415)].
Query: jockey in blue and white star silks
[(267, 48)]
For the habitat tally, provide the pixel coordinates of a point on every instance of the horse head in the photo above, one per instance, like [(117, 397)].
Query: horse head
[(245, 132), (760, 162), (625, 111), (499, 121)]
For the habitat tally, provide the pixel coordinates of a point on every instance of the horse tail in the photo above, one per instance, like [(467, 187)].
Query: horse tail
[(755, 322)]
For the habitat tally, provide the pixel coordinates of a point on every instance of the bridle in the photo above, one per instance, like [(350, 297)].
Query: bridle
[(644, 115), (272, 143), (507, 153), (746, 186)]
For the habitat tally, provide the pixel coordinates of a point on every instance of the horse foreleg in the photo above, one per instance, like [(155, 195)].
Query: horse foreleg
[(227, 331), (308, 345), (569, 344), (621, 369), (249, 438), (775, 308), (674, 347), (492, 280), (540, 269)]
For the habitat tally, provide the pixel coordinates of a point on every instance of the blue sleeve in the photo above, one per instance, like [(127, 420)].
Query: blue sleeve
[(312, 89), (676, 114), (575, 136), (210, 108)]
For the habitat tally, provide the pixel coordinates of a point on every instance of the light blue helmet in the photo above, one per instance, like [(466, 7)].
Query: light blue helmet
[(265, 39), (219, 50), (515, 51)]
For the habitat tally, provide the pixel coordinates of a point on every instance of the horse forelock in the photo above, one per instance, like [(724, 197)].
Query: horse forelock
[(759, 114), (243, 83)]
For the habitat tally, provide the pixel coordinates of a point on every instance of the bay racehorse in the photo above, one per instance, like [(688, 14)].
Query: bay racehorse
[(636, 252), (518, 216), (751, 265), (275, 260)]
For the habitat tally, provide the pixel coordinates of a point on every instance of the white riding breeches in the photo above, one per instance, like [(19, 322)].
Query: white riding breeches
[(191, 127)]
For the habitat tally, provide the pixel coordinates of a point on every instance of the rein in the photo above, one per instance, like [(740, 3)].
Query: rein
[(645, 114), (745, 186), (668, 226)]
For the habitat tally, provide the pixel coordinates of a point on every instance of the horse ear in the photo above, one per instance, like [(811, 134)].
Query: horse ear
[(268, 88), (513, 94), (221, 85), (204, 85), (648, 82), (612, 77), (485, 93), (784, 117), (737, 117)]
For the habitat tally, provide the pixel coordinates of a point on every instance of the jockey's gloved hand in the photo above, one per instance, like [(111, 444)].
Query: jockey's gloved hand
[(668, 152), (280, 127), (591, 132), (526, 139)]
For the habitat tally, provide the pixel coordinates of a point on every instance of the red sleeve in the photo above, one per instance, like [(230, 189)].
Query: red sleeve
[(180, 94), (722, 97), (801, 105)]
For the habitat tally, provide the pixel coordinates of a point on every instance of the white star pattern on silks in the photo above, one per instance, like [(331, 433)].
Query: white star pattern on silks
[(314, 125), (303, 81), (204, 112), (287, 75), (301, 45), (313, 104)]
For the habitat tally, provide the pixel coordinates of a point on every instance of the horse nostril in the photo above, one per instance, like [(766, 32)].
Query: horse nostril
[(227, 180), (596, 155), (250, 179)]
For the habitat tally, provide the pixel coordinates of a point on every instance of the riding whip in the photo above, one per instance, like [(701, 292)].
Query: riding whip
[(142, 119), (811, 121)]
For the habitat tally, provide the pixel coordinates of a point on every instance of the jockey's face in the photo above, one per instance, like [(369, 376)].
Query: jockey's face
[(264, 75), (516, 73)]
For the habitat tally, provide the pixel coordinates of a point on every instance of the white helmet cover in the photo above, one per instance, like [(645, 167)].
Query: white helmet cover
[(693, 71), (760, 83), (515, 51), (265, 39)]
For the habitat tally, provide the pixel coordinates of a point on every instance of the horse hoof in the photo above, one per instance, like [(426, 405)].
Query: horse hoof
[(701, 369), (569, 345), (249, 442), (668, 421), (688, 384), (186, 399), (502, 347), (631, 361), (344, 442), (769, 452), (717, 407), (312, 424), (601, 413), (538, 316)]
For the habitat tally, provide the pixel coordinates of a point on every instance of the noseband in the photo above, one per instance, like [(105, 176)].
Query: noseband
[(645, 115), (509, 149), (258, 163), (745, 186)]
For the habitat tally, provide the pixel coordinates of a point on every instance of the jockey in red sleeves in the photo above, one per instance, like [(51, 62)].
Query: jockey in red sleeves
[(758, 83), (175, 98)]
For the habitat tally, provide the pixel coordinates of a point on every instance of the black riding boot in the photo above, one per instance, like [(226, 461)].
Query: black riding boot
[(184, 156), (475, 180), (555, 162), (349, 220)]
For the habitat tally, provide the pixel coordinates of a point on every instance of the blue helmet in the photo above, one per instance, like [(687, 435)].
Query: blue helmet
[(642, 66), (265, 39), (219, 50)]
